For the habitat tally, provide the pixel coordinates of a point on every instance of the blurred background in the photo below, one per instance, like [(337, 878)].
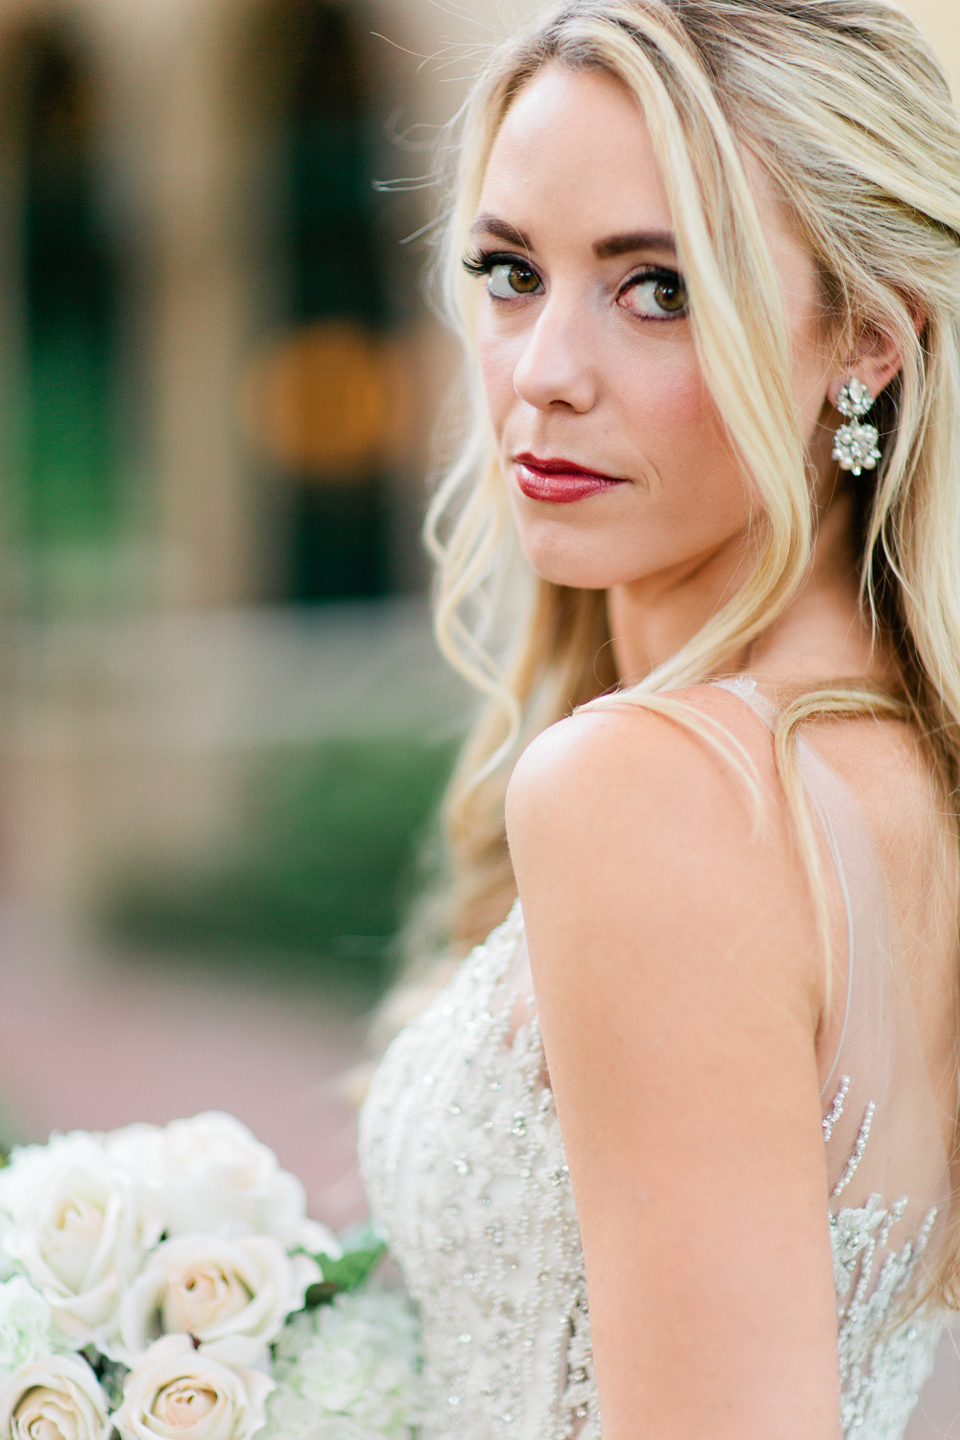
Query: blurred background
[(224, 727)]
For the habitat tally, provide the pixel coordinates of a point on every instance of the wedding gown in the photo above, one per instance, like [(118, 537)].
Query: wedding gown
[(464, 1165)]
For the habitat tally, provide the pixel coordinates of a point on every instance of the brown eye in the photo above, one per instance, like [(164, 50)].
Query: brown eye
[(523, 279), (661, 295), (513, 278), (671, 295)]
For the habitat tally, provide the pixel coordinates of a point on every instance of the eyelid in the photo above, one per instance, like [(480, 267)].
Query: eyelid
[(481, 262), (651, 271)]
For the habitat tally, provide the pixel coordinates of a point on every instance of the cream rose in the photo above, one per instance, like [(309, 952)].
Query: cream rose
[(79, 1229), (56, 1398), (215, 1290), (178, 1393), (210, 1175)]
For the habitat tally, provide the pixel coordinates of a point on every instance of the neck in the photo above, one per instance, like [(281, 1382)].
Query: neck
[(821, 633), (651, 619)]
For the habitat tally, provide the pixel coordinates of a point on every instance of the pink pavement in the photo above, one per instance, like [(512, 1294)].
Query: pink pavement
[(91, 1043)]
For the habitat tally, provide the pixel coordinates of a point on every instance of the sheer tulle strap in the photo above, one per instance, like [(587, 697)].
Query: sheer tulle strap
[(877, 1015), (875, 1082), (844, 831), (746, 690)]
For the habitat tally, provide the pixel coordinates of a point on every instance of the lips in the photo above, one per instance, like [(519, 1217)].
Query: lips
[(559, 481)]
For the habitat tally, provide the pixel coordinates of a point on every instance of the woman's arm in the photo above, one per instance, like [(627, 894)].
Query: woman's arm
[(678, 974)]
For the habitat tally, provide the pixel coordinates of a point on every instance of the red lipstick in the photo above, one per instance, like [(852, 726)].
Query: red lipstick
[(559, 481)]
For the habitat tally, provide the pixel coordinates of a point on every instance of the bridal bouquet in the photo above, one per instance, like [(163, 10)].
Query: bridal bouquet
[(165, 1283)]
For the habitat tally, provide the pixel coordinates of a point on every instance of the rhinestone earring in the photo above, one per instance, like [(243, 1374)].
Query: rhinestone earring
[(856, 446)]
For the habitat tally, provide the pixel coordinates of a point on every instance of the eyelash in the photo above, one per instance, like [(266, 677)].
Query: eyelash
[(484, 262)]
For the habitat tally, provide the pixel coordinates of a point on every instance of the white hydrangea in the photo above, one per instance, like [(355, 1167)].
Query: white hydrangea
[(347, 1371), (27, 1331)]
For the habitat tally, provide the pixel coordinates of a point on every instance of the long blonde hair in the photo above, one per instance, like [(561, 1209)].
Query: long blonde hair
[(848, 111)]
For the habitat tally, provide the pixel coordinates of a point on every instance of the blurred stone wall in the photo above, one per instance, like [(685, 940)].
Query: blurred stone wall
[(173, 80), (96, 702), (175, 83), (96, 696)]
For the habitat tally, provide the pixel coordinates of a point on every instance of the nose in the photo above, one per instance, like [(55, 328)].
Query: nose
[(556, 366)]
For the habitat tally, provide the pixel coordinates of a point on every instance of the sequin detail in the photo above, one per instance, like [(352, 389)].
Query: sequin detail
[(468, 1177), (836, 1108)]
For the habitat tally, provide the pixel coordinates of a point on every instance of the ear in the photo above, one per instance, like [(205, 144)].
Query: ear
[(876, 360)]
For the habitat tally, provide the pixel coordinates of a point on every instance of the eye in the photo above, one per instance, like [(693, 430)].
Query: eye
[(511, 278), (655, 295), (508, 277)]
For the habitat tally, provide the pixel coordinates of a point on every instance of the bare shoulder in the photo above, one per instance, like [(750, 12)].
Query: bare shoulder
[(624, 821), (647, 769), (640, 741)]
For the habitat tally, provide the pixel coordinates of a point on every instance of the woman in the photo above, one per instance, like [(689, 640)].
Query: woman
[(706, 257)]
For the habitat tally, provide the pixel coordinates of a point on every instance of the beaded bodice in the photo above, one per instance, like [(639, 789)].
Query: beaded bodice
[(464, 1164), (465, 1169)]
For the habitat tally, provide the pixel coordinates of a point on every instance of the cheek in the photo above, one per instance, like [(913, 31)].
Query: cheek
[(659, 402), (498, 355), (661, 398), (811, 377), (691, 496)]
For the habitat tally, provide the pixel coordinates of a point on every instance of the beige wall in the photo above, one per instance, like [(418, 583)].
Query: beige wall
[(940, 21)]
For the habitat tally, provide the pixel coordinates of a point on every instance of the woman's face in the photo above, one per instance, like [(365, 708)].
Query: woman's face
[(618, 464)]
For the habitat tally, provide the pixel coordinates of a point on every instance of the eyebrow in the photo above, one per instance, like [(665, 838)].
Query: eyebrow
[(608, 249), (615, 245), (492, 225)]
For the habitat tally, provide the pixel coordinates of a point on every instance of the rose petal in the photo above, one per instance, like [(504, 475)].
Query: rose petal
[(55, 1398), (178, 1393)]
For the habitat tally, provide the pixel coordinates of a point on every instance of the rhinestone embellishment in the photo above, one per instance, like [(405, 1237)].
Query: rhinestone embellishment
[(470, 1180), (856, 445)]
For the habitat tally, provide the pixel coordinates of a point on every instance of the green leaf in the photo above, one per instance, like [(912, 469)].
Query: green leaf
[(347, 1273)]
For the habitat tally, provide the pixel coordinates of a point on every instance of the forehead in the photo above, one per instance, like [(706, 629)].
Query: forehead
[(573, 162), (577, 143)]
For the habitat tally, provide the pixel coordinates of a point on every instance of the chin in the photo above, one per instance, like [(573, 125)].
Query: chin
[(562, 561)]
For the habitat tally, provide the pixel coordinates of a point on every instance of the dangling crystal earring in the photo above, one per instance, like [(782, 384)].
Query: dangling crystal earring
[(855, 446)]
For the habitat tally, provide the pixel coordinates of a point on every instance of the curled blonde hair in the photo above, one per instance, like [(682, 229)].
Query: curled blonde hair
[(846, 108)]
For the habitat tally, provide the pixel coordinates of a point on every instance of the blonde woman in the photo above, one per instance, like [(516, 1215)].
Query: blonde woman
[(674, 1147)]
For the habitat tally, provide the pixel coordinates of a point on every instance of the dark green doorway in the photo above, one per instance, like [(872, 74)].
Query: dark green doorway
[(325, 254), (67, 512)]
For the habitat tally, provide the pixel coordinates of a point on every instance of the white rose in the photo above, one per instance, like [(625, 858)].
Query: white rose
[(178, 1393), (210, 1175), (215, 1289), (56, 1398), (79, 1229)]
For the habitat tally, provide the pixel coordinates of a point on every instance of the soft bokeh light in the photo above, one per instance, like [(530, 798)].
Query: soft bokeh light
[(328, 401)]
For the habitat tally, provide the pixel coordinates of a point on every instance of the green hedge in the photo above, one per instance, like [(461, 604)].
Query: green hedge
[(318, 880)]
